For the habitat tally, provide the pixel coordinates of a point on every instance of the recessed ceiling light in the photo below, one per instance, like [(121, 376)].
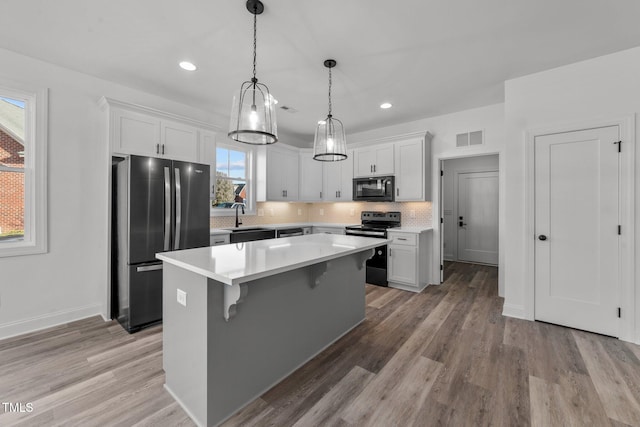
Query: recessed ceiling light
[(186, 65), (385, 105)]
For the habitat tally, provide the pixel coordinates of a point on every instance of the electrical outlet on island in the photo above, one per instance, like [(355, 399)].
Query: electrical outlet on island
[(182, 297)]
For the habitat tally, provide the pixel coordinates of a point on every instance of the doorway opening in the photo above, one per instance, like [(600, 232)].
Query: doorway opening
[(469, 211)]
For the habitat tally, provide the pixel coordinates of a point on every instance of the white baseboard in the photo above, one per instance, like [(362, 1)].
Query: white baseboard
[(511, 310), (36, 323)]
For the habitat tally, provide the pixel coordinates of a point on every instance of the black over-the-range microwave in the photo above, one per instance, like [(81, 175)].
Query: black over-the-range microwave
[(374, 189)]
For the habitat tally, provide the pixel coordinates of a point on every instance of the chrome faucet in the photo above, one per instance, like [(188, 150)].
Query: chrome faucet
[(238, 205)]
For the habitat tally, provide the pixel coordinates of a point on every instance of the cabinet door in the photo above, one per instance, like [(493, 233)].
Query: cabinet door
[(135, 133), (291, 178), (332, 180), (275, 163), (179, 141), (311, 177), (409, 170), (402, 264), (364, 159), (208, 157), (384, 160), (346, 192)]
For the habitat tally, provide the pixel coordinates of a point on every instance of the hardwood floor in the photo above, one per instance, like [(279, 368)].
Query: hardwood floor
[(445, 356)]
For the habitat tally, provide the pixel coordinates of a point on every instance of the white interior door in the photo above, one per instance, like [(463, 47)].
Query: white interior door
[(478, 217), (576, 226)]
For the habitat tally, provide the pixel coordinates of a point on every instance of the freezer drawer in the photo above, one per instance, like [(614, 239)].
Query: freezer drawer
[(141, 303)]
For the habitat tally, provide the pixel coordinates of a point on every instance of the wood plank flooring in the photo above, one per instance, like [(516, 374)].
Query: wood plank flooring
[(445, 356)]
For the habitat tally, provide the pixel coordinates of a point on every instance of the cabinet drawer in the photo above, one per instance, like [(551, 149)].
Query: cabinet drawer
[(219, 239), (403, 239)]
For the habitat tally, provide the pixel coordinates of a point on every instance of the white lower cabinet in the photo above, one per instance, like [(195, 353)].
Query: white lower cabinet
[(219, 239), (409, 260)]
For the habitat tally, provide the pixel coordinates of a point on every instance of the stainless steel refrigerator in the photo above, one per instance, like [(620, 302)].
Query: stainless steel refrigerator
[(160, 205)]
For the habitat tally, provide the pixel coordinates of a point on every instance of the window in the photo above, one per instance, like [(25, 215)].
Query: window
[(233, 178), (22, 171)]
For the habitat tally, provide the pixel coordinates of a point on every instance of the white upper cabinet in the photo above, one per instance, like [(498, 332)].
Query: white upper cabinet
[(338, 180), (144, 131), (311, 173), (135, 133), (208, 156), (278, 177), (413, 169), (179, 141), (375, 160)]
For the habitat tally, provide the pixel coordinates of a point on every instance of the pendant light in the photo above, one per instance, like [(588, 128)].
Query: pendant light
[(330, 144), (253, 115)]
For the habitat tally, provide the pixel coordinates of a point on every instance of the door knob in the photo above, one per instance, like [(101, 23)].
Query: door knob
[(542, 237)]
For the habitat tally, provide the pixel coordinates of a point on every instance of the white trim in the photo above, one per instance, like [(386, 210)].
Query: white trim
[(437, 206), (394, 138), (105, 101), (628, 295), (48, 320), (35, 169), (515, 311), (250, 172)]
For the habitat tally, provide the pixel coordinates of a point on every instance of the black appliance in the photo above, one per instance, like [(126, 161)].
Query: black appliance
[(375, 224), (158, 205), (289, 232), (374, 189)]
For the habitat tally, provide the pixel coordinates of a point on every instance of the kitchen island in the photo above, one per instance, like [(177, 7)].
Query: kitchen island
[(239, 318)]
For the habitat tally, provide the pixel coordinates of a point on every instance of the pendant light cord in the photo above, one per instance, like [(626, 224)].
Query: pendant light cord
[(255, 25), (329, 91)]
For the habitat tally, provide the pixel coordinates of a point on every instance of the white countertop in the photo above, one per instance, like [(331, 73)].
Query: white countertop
[(242, 262), (414, 230)]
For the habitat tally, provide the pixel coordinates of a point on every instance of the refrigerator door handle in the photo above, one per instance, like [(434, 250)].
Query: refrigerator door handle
[(176, 244), (167, 208), (144, 268)]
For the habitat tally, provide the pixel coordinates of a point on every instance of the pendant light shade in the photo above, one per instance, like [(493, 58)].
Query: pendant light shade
[(253, 114), (330, 144)]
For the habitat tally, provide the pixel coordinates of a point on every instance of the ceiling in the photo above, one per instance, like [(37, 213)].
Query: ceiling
[(426, 57)]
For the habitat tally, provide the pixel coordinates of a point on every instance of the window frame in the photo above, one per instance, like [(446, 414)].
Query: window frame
[(35, 169), (250, 209)]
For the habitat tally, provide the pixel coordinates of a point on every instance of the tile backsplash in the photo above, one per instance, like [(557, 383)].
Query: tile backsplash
[(413, 213)]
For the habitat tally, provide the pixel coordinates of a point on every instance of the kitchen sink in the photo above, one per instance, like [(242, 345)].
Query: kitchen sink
[(249, 234)]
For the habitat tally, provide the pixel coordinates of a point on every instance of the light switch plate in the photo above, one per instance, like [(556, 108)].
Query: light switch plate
[(260, 212), (352, 212), (182, 297), (299, 211), (270, 211), (321, 211)]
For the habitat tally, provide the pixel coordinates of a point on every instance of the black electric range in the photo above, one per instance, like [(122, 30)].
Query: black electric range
[(375, 224)]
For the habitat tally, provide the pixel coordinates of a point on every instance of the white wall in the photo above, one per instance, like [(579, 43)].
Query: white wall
[(70, 281), (444, 129), (603, 88), (451, 168)]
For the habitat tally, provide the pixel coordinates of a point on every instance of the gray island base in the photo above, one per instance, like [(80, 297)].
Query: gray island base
[(233, 341)]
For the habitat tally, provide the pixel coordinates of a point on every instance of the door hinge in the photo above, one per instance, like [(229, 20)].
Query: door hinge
[(619, 230), (619, 312), (441, 173), (619, 146), (441, 267), (441, 220)]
